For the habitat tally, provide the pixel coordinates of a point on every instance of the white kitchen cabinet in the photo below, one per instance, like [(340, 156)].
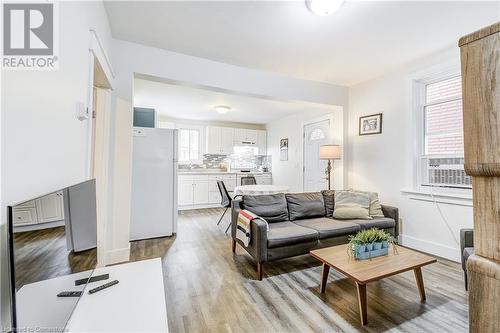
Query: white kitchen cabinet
[(214, 197), (198, 190), (185, 191), (264, 179), (226, 140), (200, 196), (24, 216), (50, 207), (220, 140), (262, 142), (213, 140), (192, 190), (213, 190), (243, 136)]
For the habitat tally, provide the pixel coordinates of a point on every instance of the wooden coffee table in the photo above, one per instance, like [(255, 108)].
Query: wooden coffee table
[(364, 271)]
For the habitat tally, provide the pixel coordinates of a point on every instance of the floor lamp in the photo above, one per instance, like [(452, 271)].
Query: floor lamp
[(329, 153)]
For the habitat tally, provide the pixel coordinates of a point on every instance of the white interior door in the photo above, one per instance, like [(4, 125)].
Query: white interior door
[(315, 135)]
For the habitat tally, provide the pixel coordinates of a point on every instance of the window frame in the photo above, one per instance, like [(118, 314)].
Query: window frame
[(418, 91), (199, 129)]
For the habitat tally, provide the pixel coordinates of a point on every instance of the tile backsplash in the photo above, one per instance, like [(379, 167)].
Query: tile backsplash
[(240, 160)]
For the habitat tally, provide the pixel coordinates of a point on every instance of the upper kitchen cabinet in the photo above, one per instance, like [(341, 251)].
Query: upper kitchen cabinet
[(220, 140), (262, 142), (226, 139), (245, 137)]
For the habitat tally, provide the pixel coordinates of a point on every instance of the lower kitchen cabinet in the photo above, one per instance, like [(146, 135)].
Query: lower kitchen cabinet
[(201, 191), (193, 190), (261, 179), (49, 208)]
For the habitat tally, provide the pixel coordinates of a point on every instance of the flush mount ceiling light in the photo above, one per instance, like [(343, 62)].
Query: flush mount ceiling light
[(222, 109), (324, 7)]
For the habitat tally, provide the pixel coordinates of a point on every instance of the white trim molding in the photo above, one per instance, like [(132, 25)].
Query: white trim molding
[(100, 53), (118, 255)]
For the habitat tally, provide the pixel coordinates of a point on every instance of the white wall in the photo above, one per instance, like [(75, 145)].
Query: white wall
[(44, 146), (289, 172), (384, 163)]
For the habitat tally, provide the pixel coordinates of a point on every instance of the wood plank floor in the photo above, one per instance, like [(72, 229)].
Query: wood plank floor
[(42, 254), (210, 290)]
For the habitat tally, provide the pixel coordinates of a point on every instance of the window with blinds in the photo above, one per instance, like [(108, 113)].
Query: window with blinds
[(443, 151)]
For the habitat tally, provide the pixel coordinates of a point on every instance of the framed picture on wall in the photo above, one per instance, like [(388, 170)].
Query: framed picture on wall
[(284, 149), (371, 124)]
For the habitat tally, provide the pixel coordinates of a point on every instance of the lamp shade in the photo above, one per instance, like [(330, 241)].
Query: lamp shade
[(329, 152)]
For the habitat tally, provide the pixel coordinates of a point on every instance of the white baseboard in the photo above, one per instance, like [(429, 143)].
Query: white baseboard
[(200, 206), (432, 248), (118, 255)]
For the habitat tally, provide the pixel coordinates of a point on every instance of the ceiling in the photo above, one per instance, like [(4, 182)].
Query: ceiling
[(363, 40), (174, 101)]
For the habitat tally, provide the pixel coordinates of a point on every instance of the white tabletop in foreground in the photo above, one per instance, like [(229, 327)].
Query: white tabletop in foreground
[(135, 304), (260, 189)]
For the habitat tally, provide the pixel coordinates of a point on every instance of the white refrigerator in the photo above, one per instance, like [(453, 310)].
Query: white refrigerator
[(154, 183)]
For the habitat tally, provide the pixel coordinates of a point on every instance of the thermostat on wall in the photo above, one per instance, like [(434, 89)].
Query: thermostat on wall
[(82, 113)]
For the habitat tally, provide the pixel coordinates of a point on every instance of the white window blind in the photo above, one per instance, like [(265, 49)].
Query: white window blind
[(189, 145)]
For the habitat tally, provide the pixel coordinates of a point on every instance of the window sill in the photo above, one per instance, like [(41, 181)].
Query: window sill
[(446, 198)]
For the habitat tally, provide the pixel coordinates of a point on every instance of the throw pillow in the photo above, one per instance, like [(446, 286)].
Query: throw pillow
[(375, 207), (351, 205)]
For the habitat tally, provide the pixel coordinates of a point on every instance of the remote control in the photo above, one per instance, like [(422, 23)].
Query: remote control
[(69, 294), (92, 279), (104, 286)]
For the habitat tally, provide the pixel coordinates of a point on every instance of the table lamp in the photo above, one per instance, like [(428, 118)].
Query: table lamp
[(329, 153)]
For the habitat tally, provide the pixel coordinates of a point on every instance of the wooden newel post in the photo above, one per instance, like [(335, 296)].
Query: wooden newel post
[(480, 57)]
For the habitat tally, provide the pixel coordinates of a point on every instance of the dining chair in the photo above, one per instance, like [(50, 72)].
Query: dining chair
[(250, 180), (225, 200)]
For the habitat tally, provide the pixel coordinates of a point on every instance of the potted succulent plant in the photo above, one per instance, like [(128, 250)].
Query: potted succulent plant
[(370, 243)]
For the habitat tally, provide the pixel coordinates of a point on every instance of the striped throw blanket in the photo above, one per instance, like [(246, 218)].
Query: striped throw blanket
[(243, 231)]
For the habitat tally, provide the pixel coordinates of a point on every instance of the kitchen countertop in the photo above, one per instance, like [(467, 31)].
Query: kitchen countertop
[(219, 172)]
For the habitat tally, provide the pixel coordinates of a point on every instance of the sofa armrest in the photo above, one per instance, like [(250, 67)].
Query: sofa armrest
[(466, 240), (258, 244), (393, 213)]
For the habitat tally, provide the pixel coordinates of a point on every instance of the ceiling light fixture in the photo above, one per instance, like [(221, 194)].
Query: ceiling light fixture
[(222, 109), (324, 7)]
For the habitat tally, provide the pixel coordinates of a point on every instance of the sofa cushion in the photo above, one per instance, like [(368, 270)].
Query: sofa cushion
[(328, 227), (305, 205), (375, 207), (328, 198), (288, 233), (271, 207), (351, 205), (376, 222)]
